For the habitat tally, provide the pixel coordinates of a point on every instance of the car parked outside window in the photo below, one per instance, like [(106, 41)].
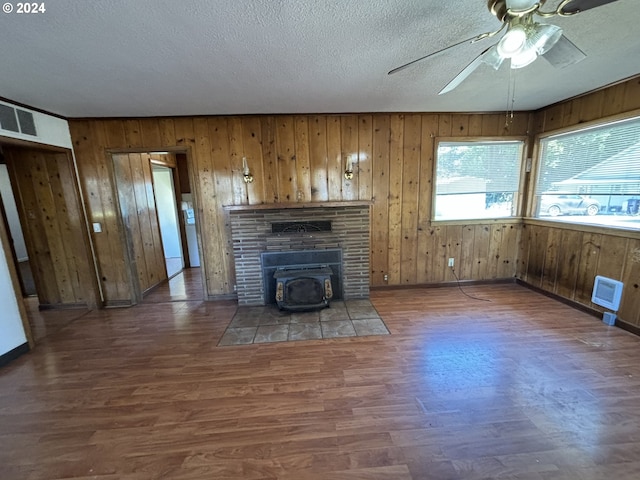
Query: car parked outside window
[(568, 204)]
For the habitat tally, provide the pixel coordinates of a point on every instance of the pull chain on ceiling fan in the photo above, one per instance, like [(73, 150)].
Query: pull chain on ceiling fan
[(524, 40)]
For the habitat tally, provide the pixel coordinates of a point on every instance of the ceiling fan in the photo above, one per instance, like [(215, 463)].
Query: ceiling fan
[(525, 39)]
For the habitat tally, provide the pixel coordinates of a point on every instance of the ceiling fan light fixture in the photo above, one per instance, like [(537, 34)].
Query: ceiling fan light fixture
[(543, 37), (523, 38), (524, 58), (493, 58), (512, 42)]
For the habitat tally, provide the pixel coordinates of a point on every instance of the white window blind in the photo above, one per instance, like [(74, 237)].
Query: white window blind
[(477, 179), (594, 166)]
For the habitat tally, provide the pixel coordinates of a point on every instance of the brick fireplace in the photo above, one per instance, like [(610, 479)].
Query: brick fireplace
[(252, 235)]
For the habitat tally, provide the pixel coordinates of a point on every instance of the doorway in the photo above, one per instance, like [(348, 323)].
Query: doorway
[(11, 219), (42, 213), (46, 194), (167, 210), (150, 189)]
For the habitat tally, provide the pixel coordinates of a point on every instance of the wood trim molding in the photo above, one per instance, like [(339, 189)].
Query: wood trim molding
[(222, 297), (628, 327), (480, 221), (13, 354), (283, 206), (461, 283)]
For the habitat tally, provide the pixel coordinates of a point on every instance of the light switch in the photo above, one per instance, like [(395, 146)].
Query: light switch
[(97, 227)]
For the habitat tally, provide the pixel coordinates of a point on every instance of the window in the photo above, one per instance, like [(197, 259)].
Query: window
[(477, 179), (591, 175)]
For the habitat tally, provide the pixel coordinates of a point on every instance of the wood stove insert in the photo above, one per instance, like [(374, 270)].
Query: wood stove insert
[(302, 280), (303, 289)]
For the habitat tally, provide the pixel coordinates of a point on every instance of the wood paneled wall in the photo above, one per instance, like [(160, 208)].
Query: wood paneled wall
[(53, 223), (612, 101), (301, 158), (565, 259), (134, 181)]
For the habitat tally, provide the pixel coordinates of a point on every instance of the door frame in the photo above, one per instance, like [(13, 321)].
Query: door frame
[(137, 294), (93, 291), (13, 273), (14, 256)]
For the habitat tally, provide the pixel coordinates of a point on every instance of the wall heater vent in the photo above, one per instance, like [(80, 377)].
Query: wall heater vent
[(607, 293), (16, 120)]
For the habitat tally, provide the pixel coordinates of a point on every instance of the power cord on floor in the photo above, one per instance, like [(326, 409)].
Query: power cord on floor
[(453, 270)]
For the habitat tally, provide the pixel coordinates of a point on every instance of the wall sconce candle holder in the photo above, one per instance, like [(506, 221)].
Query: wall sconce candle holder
[(348, 169), (246, 173)]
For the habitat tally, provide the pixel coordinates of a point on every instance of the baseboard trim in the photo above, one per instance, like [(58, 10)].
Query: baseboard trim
[(225, 296), (566, 301), (628, 327), (465, 283), (118, 304), (11, 355), (61, 306)]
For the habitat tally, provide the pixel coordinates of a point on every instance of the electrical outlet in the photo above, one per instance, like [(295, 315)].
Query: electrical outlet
[(386, 277), (451, 261)]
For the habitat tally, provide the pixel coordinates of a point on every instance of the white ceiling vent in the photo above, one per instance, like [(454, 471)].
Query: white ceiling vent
[(16, 120)]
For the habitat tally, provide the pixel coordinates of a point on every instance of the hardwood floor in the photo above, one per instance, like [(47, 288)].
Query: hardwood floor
[(174, 265), (520, 386), (48, 322), (186, 285)]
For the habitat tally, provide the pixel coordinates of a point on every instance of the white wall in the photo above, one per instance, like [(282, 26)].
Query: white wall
[(167, 216), (11, 331), (12, 215)]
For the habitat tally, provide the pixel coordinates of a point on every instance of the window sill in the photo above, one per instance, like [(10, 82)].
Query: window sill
[(479, 221), (584, 227)]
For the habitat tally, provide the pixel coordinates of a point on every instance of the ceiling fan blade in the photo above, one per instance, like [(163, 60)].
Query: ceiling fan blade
[(433, 54), (466, 71), (577, 6), (564, 53)]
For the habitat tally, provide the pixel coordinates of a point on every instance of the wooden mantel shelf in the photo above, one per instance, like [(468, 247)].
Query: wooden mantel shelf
[(285, 206)]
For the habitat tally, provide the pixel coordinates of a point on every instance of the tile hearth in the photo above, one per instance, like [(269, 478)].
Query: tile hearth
[(267, 324)]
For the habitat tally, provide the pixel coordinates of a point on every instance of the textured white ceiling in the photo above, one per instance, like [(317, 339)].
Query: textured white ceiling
[(192, 57)]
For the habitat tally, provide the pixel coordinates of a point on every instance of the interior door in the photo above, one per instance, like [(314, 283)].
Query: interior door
[(168, 218)]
